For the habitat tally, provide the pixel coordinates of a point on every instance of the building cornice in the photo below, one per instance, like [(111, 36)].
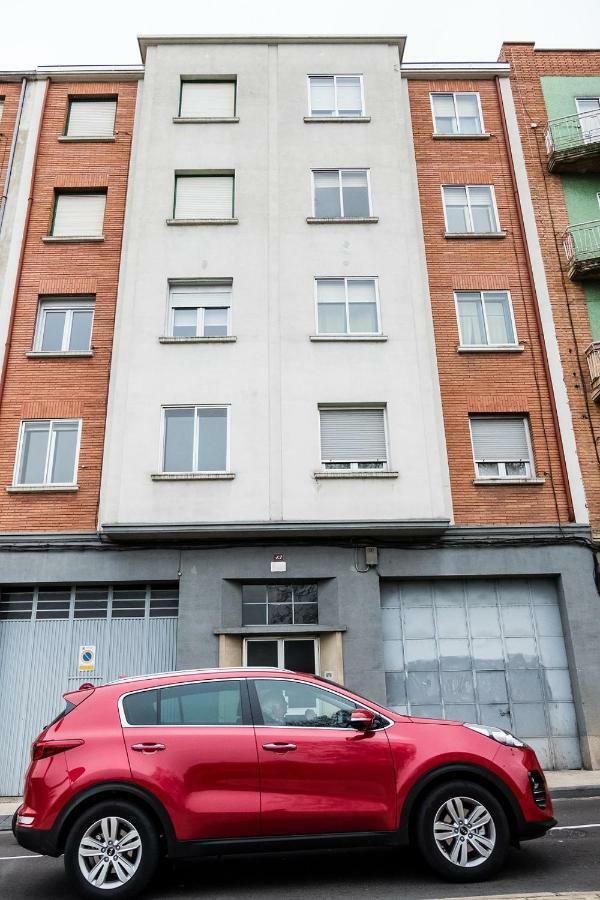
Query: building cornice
[(430, 70), (76, 73), (145, 41)]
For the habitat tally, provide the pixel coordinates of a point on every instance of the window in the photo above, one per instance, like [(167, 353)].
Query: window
[(91, 118), (341, 193), (199, 703), (347, 306), (297, 704), (485, 318), (199, 310), (89, 602), (47, 452), (588, 109), (501, 447), (195, 439), (336, 95), (203, 197), (353, 438), (297, 654), (64, 325), (470, 209), (280, 604), (207, 99), (458, 113), (1, 107), (78, 215)]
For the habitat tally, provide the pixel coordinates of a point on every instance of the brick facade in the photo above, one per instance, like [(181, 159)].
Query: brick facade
[(484, 382), (568, 301), (66, 387)]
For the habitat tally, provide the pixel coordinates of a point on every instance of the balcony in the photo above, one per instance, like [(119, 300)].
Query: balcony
[(573, 143), (582, 247), (593, 358)]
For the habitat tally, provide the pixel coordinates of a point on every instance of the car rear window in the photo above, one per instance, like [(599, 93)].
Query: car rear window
[(64, 712), (141, 708)]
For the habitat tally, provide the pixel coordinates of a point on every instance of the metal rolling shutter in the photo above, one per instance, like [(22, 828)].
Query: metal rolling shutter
[(353, 435)]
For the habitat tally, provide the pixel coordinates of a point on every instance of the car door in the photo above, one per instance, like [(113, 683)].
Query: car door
[(319, 775), (193, 746)]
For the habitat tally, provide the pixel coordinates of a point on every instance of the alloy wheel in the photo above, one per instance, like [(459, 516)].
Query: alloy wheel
[(109, 853), (464, 831)]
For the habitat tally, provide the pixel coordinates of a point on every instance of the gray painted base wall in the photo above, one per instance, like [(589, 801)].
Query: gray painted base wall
[(211, 577)]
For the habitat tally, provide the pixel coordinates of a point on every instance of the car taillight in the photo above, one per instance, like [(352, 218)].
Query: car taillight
[(43, 749)]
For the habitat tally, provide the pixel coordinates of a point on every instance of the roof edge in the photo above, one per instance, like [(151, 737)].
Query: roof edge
[(424, 70), (133, 72)]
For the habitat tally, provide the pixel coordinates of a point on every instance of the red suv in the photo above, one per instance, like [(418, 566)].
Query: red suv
[(229, 760)]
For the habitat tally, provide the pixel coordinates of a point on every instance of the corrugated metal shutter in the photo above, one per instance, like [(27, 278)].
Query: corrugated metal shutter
[(200, 295), (208, 99), (92, 118), (352, 435), (204, 197), (503, 439), (79, 215)]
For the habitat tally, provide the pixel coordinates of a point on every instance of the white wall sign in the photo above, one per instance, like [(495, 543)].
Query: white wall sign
[(87, 657)]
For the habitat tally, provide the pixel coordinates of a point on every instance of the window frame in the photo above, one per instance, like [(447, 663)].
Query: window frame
[(454, 94), (502, 476), (204, 174), (50, 450), (75, 98), (336, 114), (203, 79), (63, 192), (280, 640), (481, 293), (498, 229), (341, 191), (346, 279), (294, 602), (195, 407), (245, 703), (354, 466), (174, 285), (67, 304)]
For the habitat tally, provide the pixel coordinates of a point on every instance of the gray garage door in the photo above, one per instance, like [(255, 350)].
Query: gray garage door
[(487, 651), (132, 627)]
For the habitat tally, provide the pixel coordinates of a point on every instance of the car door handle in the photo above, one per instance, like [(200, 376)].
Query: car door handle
[(148, 748), (279, 747)]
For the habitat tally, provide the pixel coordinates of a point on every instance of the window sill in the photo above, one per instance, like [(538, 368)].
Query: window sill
[(222, 339), (202, 221), (192, 476), (58, 354), (475, 235), (343, 220), (356, 473), (42, 488), (205, 120), (495, 481), (505, 348), (484, 136), (73, 239), (92, 138), (348, 338), (269, 630), (345, 119)]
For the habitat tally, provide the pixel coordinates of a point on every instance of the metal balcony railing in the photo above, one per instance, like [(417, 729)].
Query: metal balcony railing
[(582, 247), (593, 359), (573, 142)]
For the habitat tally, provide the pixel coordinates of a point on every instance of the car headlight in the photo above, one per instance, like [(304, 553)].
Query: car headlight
[(496, 734)]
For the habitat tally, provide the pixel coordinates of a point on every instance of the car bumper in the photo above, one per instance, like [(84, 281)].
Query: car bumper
[(528, 831), (38, 840)]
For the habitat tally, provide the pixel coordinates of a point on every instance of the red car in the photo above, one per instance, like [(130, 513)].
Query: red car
[(229, 760)]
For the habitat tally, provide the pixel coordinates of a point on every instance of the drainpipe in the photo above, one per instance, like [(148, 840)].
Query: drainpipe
[(11, 155), (538, 319)]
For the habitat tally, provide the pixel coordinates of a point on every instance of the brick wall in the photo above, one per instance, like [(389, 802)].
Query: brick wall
[(66, 387), (485, 382), (567, 298)]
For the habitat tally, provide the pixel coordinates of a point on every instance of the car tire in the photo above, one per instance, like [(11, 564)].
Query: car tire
[(128, 847), (462, 831)]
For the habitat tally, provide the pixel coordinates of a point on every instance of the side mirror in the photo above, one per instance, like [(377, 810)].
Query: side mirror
[(362, 719)]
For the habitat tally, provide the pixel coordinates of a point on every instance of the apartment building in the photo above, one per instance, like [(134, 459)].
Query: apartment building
[(338, 436)]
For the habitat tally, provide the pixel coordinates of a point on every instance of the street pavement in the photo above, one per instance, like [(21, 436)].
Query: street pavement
[(566, 860)]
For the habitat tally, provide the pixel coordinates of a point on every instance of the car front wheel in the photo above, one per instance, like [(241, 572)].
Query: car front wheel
[(462, 832), (112, 850)]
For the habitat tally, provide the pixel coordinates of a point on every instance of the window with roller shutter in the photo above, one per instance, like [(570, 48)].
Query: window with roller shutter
[(353, 438), (207, 99), (91, 118), (204, 196), (78, 215), (501, 447)]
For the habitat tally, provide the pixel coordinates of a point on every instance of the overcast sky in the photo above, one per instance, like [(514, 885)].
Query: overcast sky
[(64, 32)]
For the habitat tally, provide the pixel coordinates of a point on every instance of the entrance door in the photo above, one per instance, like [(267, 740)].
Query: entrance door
[(318, 775), (297, 654)]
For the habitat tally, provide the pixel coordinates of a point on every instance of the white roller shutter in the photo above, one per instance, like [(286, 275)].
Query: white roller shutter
[(353, 435), (92, 118), (501, 439), (79, 215), (200, 295), (207, 99), (204, 197)]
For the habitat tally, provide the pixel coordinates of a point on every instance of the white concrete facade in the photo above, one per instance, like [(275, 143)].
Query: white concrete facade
[(273, 377)]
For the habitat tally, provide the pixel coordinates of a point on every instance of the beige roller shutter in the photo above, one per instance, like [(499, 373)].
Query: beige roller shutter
[(79, 215)]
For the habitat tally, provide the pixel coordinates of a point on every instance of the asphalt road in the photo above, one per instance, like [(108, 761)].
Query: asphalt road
[(567, 859)]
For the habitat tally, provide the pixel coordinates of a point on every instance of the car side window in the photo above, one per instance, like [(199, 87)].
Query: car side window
[(141, 708), (199, 703), (297, 704)]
